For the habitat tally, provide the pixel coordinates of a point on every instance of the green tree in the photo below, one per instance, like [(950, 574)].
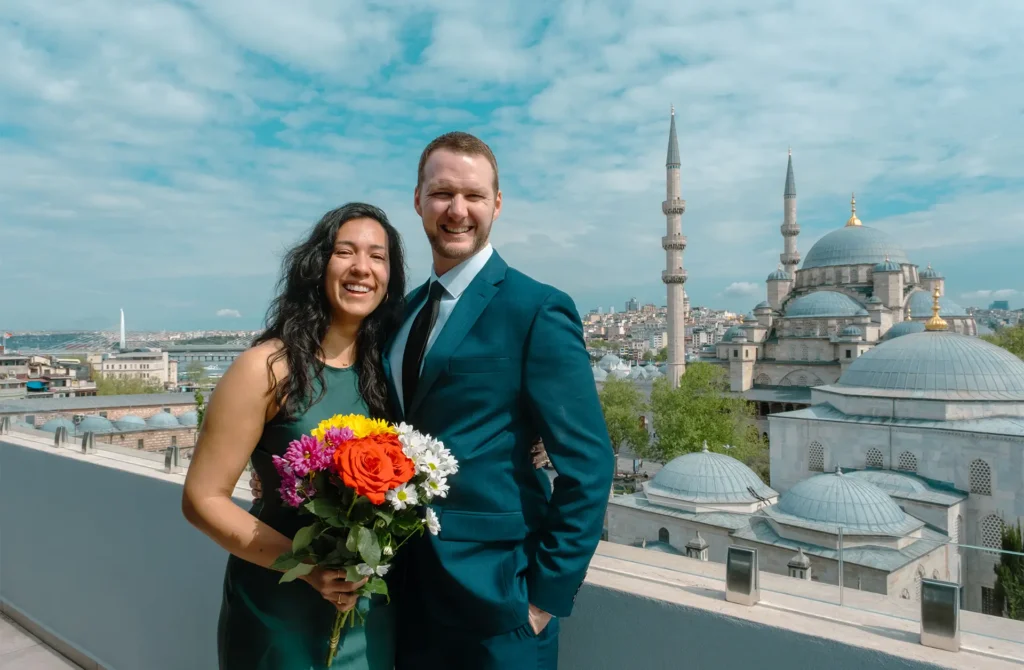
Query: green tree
[(195, 372), (623, 405), (1009, 590), (702, 410), (200, 409), (662, 355), (126, 386), (1011, 339)]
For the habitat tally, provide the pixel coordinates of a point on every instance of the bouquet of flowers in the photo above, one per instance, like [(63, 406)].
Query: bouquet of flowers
[(366, 482)]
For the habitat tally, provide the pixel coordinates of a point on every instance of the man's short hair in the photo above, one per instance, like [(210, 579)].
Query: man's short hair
[(460, 143)]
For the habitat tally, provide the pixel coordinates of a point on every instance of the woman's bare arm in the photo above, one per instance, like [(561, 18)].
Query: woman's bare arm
[(231, 428)]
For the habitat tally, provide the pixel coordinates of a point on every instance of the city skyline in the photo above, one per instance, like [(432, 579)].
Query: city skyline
[(172, 166)]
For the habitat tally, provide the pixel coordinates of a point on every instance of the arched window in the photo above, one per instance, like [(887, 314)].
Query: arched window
[(763, 380), (980, 477), (663, 535), (816, 457), (874, 459), (802, 379), (908, 462), (803, 353), (992, 532)]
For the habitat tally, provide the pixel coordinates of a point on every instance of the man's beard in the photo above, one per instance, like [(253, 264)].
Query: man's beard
[(446, 251)]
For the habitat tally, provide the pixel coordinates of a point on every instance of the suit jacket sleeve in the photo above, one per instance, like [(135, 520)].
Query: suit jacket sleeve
[(562, 396)]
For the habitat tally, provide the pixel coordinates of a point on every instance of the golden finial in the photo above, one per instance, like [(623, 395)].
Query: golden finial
[(936, 322), (853, 220)]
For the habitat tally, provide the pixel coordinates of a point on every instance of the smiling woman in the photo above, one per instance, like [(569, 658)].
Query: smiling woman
[(340, 298)]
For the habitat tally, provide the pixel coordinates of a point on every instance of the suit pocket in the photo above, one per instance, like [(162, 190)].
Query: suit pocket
[(479, 365), (457, 526)]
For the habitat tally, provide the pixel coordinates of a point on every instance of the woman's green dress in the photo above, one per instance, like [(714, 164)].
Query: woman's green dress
[(265, 625)]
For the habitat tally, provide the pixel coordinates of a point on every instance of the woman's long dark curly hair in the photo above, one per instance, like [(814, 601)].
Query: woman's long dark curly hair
[(301, 313)]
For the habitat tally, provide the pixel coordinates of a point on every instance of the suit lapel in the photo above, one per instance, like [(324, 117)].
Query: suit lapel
[(469, 308), (411, 302)]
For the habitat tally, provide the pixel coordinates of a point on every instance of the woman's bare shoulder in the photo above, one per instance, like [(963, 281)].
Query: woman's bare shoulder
[(252, 365)]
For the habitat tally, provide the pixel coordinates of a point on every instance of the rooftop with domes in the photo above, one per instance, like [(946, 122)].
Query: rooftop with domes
[(707, 478), (940, 365)]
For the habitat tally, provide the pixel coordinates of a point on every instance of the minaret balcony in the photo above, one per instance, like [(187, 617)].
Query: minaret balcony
[(673, 242), (790, 259), (790, 229), (673, 206), (674, 276)]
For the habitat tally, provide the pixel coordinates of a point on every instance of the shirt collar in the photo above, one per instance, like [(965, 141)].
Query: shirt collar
[(457, 280)]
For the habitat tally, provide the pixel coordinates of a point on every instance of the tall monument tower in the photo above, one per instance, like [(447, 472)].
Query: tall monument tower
[(674, 275), (123, 343), (790, 257)]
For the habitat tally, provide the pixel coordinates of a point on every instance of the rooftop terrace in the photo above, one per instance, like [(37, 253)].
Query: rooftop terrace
[(98, 564)]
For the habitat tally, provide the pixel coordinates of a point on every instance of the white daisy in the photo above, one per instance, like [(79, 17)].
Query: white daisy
[(428, 462), (403, 496), (436, 486), (366, 571), (433, 524)]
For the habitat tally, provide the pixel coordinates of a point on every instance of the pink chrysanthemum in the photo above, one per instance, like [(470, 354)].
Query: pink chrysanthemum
[(304, 455), (335, 436)]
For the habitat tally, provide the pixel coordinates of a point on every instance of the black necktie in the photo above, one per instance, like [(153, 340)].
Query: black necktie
[(417, 342)]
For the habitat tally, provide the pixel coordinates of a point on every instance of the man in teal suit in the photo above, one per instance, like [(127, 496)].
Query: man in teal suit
[(487, 360)]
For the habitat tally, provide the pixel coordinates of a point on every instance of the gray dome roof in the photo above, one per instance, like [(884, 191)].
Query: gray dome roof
[(929, 273), (921, 306), (52, 425), (939, 364), (609, 361), (95, 424), (874, 300), (825, 502), (903, 328), (662, 547), (892, 483), (779, 275), (599, 374), (163, 420), (888, 266), (764, 304), (707, 477), (822, 304), (189, 418), (750, 318), (733, 332), (129, 422), (852, 331), (854, 245), (619, 373)]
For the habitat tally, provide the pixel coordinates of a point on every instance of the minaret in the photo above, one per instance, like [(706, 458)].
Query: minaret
[(790, 229), (122, 330), (674, 275)]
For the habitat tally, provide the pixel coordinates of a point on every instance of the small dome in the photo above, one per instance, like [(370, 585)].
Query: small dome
[(662, 547), (854, 245), (637, 373), (874, 300), (852, 331), (189, 418), (650, 368), (732, 333), (779, 275), (609, 361), (619, 373), (599, 374), (939, 364), (749, 318), (52, 425), (929, 273), (764, 304), (707, 477), (903, 328), (832, 500), (799, 560), (95, 424), (163, 420), (822, 304), (888, 266), (921, 302), (129, 422)]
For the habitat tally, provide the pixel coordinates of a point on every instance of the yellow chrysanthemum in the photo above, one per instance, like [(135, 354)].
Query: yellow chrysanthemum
[(361, 426)]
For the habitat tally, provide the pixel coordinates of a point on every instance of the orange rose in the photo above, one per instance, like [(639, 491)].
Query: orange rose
[(373, 465)]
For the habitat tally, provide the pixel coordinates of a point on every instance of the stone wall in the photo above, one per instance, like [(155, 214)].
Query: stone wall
[(152, 440), (112, 413)]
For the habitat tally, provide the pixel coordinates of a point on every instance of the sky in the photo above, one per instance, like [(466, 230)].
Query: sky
[(161, 156)]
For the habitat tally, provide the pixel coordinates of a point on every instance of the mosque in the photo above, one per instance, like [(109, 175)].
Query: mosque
[(891, 421), (855, 289)]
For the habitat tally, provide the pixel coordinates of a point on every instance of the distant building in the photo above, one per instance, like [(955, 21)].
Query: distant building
[(152, 364), (1000, 304), (632, 305)]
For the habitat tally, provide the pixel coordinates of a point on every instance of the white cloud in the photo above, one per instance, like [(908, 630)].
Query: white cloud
[(999, 294), (233, 313), (742, 289), (213, 133)]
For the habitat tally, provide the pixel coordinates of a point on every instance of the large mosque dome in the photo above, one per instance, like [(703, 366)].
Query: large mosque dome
[(854, 245), (940, 365), (823, 304), (705, 477), (826, 502)]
